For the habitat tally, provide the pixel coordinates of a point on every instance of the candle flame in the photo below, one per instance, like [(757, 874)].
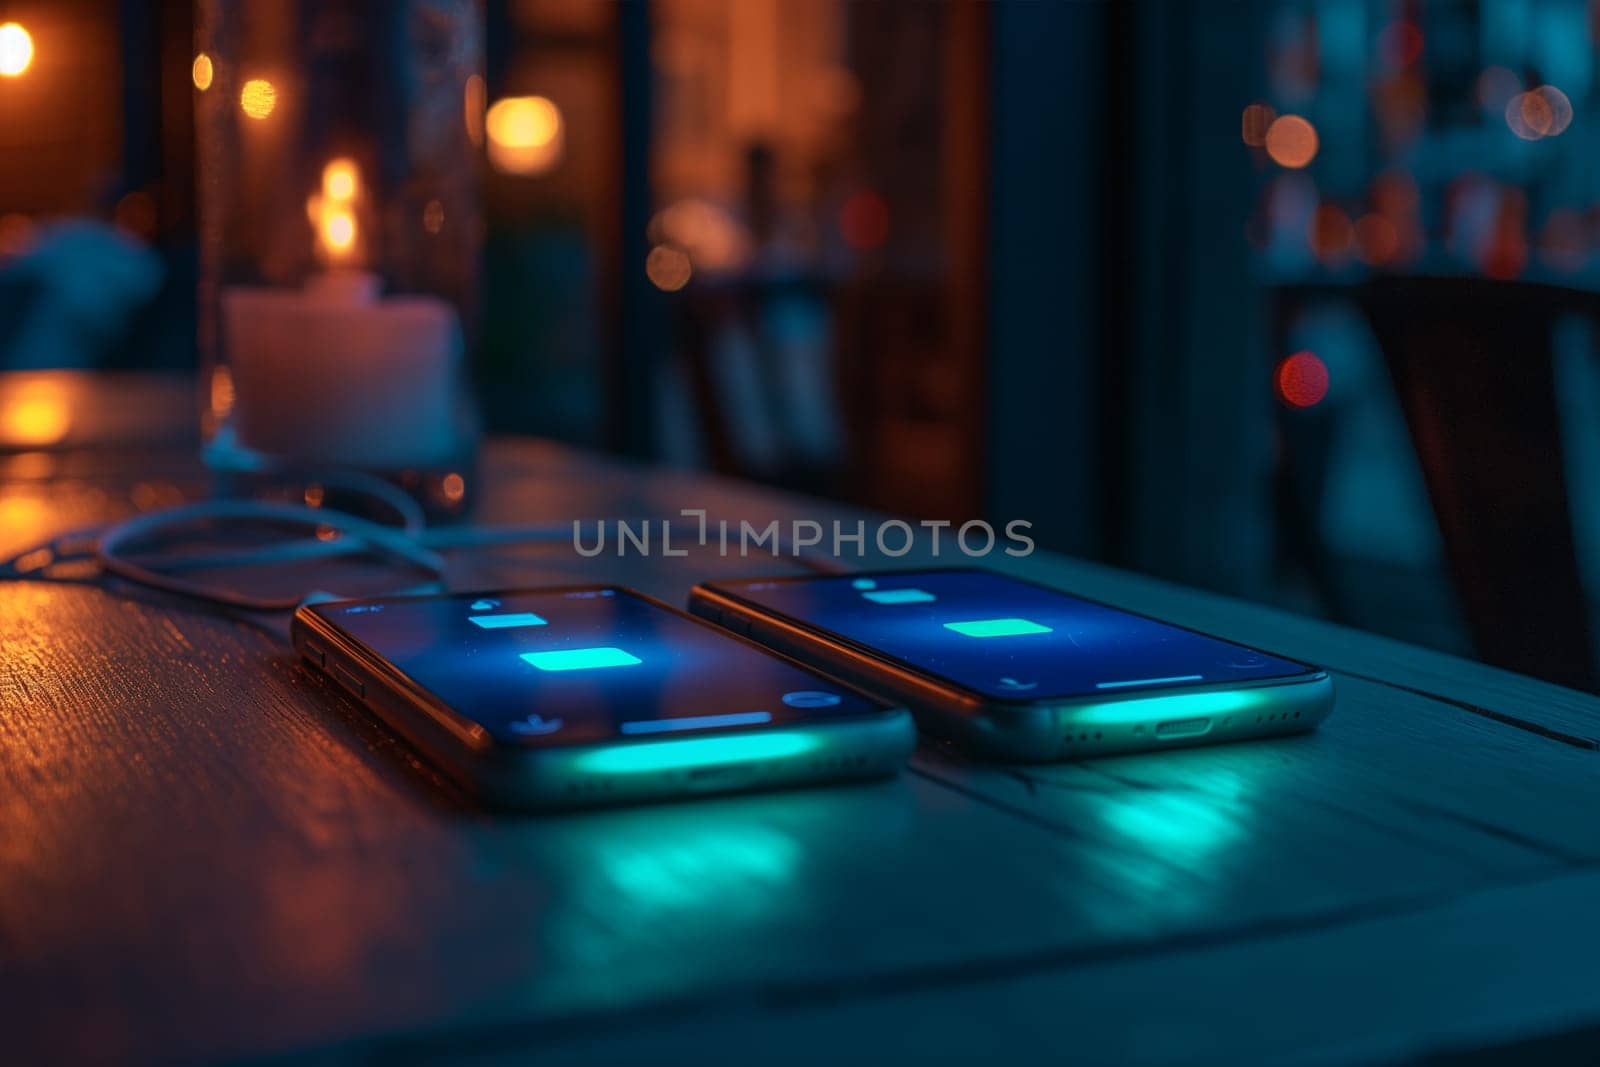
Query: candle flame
[(333, 212), (341, 180), (338, 230), (16, 49)]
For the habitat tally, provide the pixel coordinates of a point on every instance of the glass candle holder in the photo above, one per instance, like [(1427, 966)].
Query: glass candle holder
[(339, 144)]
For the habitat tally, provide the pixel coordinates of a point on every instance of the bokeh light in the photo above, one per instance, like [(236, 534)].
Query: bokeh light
[(433, 216), (257, 98), (1400, 44), (35, 413), (1330, 235), (341, 180), (1301, 380), (1255, 122), (1560, 108), (1377, 240), (338, 229), (525, 135), (222, 395), (1542, 112), (16, 49), (713, 237), (668, 268), (474, 97), (202, 72), (1291, 141)]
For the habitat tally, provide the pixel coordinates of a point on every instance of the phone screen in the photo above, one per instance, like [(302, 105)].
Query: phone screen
[(1008, 639), (579, 666)]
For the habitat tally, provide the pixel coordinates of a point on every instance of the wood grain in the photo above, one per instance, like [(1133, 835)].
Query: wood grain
[(208, 853)]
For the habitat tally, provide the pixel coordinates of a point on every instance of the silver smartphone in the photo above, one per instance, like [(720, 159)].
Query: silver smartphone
[(595, 695), (1019, 671)]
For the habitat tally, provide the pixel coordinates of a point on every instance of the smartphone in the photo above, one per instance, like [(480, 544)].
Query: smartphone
[(594, 694), (1019, 671)]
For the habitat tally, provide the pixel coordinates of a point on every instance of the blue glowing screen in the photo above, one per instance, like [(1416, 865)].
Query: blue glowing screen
[(577, 666), (1005, 638)]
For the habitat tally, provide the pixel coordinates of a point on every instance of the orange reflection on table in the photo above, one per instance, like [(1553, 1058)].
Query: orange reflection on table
[(35, 412)]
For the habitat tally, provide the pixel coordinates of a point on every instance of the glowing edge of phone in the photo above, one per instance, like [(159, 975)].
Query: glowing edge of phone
[(694, 752), (1175, 705)]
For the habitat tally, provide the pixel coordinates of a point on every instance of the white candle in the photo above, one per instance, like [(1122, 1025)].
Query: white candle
[(332, 374), (335, 373)]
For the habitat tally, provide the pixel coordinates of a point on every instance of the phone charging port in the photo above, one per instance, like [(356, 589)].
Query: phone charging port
[(1184, 727)]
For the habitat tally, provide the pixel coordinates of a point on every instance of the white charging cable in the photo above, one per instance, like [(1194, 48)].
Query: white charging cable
[(334, 533)]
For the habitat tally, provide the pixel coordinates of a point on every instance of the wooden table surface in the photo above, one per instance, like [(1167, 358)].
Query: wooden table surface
[(207, 853)]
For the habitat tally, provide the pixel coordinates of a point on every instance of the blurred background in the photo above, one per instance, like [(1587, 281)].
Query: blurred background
[(1290, 299)]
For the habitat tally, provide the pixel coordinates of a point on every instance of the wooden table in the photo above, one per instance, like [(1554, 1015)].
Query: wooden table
[(206, 852)]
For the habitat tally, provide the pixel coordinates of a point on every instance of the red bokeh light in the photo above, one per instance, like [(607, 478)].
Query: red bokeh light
[(1400, 44), (1302, 380), (1331, 234), (1377, 239), (864, 221)]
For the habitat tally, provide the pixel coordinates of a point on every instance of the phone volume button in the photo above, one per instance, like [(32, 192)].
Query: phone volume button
[(349, 679)]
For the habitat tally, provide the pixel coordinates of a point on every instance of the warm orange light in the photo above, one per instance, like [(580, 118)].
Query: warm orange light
[(472, 103), (1291, 141), (341, 180), (433, 216), (1529, 115), (708, 233), (1255, 122), (221, 392), (1541, 112), (1331, 234), (333, 210), (202, 72), (36, 413), (16, 50), (338, 229), (1559, 106), (258, 98), (526, 135), (454, 487), (668, 268)]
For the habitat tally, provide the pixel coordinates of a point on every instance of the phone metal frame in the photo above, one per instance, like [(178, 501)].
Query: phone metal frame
[(853, 747), (1045, 729)]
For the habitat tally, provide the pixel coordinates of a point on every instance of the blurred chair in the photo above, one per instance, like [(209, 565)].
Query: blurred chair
[(1472, 363)]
